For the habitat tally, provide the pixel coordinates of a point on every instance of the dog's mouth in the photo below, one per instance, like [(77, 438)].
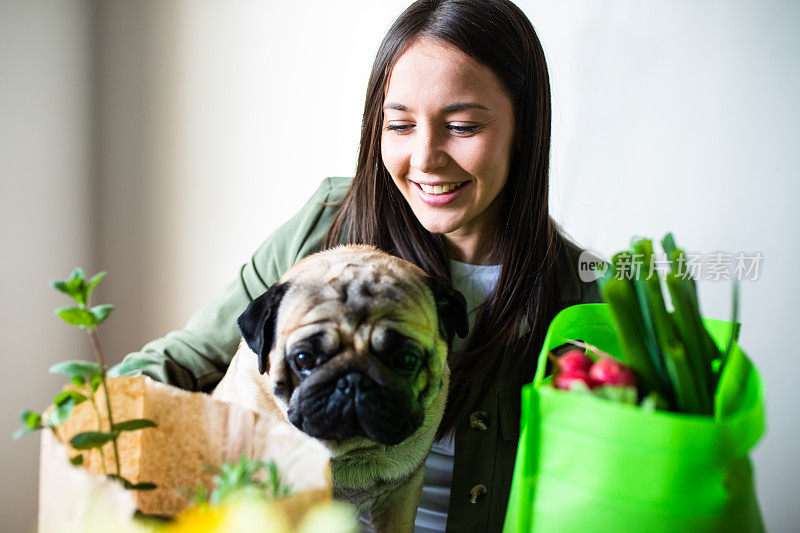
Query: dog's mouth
[(355, 406)]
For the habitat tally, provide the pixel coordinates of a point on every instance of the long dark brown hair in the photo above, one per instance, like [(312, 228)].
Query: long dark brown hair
[(497, 34)]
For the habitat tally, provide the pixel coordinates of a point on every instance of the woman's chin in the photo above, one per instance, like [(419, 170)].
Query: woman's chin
[(437, 225)]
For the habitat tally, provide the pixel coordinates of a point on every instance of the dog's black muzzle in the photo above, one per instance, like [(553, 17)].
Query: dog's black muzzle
[(354, 405)]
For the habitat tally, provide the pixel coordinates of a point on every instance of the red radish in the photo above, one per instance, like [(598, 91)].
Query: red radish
[(574, 360), (608, 371), (564, 380)]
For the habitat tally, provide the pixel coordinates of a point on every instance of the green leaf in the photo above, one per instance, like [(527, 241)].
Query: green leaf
[(76, 286), (90, 439), (95, 279), (61, 412), (64, 403), (73, 287), (62, 287), (242, 478), (21, 432), (614, 393), (92, 282), (127, 367), (132, 425), (115, 477), (199, 495), (78, 381), (617, 393), (31, 419), (76, 460), (95, 381), (580, 387), (76, 316), (76, 368), (77, 275), (76, 396), (145, 485), (101, 312), (653, 402)]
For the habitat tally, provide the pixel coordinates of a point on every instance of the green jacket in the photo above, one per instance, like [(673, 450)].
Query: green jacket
[(196, 357)]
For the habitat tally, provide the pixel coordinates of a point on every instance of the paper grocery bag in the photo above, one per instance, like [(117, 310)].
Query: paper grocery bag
[(71, 497), (194, 431)]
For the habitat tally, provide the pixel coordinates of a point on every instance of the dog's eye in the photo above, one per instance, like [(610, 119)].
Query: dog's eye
[(305, 362), (406, 361)]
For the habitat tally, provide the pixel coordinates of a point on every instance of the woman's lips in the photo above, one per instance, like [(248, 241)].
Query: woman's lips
[(440, 199)]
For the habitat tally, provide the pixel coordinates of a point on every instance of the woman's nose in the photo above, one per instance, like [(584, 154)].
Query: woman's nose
[(428, 154)]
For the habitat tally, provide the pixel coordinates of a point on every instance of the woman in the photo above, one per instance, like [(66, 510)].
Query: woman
[(452, 175)]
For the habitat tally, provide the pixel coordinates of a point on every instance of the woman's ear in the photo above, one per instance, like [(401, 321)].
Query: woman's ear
[(451, 308), (257, 323)]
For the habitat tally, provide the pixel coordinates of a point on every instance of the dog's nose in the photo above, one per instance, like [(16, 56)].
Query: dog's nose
[(355, 381)]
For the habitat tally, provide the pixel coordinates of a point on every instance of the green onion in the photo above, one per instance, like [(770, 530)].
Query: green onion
[(621, 297), (651, 302), (687, 390), (672, 352), (700, 347)]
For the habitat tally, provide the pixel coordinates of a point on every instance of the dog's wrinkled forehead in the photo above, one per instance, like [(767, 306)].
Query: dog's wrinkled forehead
[(354, 291), (354, 284)]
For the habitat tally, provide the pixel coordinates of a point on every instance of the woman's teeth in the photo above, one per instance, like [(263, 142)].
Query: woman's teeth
[(440, 189)]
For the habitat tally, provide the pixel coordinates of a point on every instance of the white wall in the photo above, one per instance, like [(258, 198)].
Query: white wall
[(213, 121), (45, 209)]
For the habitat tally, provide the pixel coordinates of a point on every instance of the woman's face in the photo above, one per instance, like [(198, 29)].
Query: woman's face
[(448, 127)]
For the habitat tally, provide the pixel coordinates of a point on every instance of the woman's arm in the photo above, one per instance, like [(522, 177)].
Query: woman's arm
[(196, 357)]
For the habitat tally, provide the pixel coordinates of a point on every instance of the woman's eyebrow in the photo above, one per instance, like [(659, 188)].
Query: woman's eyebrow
[(447, 109), (461, 106)]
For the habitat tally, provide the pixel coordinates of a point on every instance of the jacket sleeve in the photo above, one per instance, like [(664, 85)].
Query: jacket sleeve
[(196, 357)]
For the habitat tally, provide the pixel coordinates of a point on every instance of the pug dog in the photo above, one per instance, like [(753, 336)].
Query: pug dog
[(350, 346)]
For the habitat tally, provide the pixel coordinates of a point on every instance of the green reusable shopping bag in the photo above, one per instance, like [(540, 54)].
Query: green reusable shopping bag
[(592, 465)]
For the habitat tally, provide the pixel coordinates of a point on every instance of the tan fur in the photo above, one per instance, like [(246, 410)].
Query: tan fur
[(381, 480)]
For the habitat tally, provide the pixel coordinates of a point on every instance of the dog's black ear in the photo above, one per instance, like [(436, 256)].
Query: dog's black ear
[(451, 308), (257, 323)]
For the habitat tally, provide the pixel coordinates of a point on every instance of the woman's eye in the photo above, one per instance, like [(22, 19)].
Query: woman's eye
[(399, 128), (462, 130), (458, 129)]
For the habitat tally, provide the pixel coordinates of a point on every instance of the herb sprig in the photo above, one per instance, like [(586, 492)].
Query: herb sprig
[(87, 377)]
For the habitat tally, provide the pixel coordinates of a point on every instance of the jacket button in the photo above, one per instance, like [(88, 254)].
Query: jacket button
[(479, 420), (477, 493)]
